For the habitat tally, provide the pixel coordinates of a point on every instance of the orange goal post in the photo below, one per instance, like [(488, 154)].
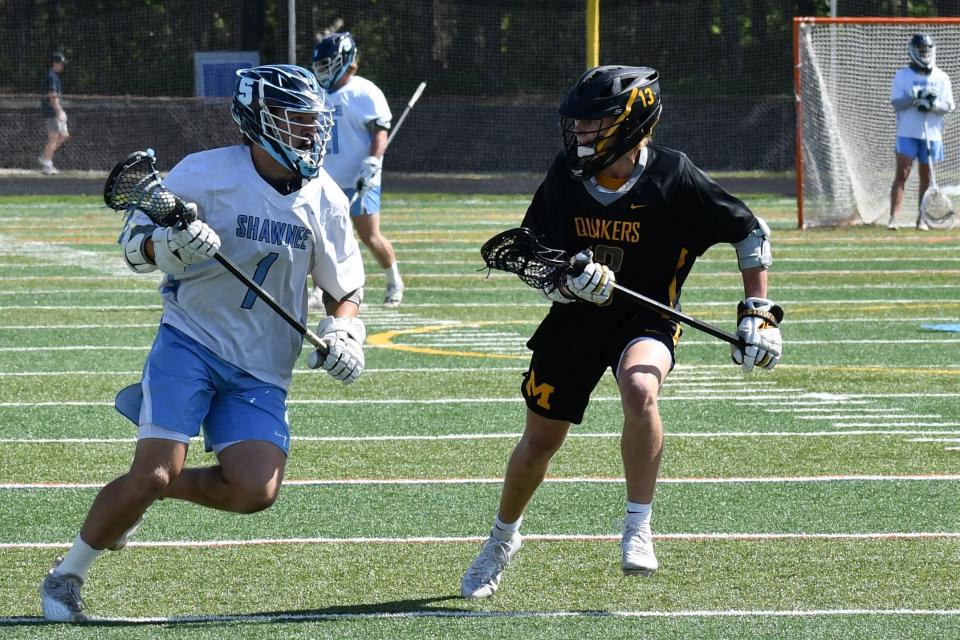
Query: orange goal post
[(846, 127)]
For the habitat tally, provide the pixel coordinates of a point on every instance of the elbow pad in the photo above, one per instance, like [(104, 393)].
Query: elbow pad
[(134, 255), (754, 250)]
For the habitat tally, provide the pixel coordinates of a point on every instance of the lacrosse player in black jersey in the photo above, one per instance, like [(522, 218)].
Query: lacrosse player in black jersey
[(646, 213)]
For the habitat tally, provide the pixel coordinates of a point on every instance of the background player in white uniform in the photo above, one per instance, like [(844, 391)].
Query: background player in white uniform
[(222, 358), (361, 118), (921, 94)]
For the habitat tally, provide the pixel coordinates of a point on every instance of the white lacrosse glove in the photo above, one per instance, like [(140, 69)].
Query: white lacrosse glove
[(759, 321), (176, 249), (344, 338), (595, 282), (369, 170)]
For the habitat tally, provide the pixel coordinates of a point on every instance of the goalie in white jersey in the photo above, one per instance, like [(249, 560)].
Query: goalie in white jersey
[(361, 119), (921, 94), (223, 358)]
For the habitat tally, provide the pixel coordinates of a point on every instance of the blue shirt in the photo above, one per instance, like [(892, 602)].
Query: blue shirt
[(51, 84)]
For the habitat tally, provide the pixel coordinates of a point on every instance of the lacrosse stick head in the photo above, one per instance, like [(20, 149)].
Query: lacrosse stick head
[(134, 184), (936, 209), (519, 251)]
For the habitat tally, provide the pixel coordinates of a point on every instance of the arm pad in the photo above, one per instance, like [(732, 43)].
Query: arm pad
[(754, 250), (134, 255)]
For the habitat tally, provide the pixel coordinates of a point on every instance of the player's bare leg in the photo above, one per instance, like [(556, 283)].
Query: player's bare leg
[(643, 368), (904, 164), (247, 479), (117, 509), (368, 228), (541, 439), (923, 174), (121, 503)]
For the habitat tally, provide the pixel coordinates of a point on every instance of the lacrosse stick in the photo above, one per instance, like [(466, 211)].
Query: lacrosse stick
[(134, 184), (935, 207), (393, 131), (518, 251)]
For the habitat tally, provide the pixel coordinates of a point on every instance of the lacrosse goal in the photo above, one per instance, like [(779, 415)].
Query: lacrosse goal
[(846, 128)]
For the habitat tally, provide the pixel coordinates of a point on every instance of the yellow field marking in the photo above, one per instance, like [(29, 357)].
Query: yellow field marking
[(385, 339), (868, 369)]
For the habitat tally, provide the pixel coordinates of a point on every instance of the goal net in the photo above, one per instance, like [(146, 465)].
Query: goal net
[(846, 128)]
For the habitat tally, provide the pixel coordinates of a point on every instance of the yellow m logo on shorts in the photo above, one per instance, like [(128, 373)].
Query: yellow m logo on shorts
[(539, 391)]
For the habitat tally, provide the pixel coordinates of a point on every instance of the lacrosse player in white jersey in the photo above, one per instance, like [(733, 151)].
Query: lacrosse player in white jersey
[(361, 119), (222, 358), (921, 94)]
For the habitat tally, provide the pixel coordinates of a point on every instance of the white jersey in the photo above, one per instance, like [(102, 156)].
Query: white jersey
[(910, 122), (354, 105), (277, 240)]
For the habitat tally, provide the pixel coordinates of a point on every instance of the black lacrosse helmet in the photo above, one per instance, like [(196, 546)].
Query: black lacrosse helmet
[(629, 97)]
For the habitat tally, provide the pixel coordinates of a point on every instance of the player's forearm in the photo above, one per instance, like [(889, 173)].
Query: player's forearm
[(902, 103), (378, 143), (345, 308), (754, 282)]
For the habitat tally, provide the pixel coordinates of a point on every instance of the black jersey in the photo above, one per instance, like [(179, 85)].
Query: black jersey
[(650, 235)]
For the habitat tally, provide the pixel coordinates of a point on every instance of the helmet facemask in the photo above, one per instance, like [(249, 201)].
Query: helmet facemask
[(328, 71), (299, 137)]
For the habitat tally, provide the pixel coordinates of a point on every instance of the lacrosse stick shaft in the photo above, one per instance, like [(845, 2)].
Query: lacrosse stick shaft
[(653, 305), (406, 111), (311, 337), (393, 131)]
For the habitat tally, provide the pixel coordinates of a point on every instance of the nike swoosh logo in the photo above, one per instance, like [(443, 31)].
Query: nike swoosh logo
[(637, 206)]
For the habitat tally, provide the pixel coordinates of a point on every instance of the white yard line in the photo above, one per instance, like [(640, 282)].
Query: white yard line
[(516, 435), (683, 537), (894, 423), (18, 486), (519, 343), (747, 396)]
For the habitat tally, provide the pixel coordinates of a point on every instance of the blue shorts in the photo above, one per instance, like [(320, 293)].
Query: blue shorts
[(185, 385), (917, 148), (370, 200)]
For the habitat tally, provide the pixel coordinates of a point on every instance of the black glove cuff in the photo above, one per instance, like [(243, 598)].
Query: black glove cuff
[(774, 315)]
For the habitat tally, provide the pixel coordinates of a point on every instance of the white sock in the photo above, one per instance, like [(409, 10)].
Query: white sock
[(393, 274), (78, 559), (504, 530), (639, 513)]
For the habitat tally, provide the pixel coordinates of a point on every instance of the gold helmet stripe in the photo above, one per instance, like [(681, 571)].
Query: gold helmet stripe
[(612, 129)]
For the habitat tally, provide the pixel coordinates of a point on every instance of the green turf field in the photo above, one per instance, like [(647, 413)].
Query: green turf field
[(816, 501)]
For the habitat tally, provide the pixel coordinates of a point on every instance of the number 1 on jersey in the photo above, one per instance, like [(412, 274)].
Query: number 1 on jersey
[(259, 276)]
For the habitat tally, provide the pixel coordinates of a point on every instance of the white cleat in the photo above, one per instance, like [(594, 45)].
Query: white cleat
[(483, 576), (636, 548), (60, 596), (922, 226), (125, 538), (394, 296), (892, 225)]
